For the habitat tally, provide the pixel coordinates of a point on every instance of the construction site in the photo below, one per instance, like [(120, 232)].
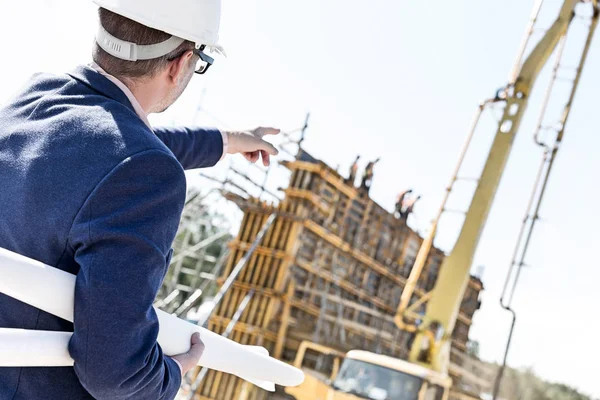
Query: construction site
[(328, 280), (322, 267), (300, 257)]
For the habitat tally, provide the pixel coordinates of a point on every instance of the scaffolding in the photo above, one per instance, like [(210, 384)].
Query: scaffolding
[(199, 254), (330, 268)]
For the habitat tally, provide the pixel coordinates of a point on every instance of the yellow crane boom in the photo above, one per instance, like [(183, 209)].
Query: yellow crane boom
[(433, 334)]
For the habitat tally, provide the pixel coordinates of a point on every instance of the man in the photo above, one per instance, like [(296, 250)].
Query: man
[(353, 171), (408, 207), (400, 203), (90, 188), (367, 179)]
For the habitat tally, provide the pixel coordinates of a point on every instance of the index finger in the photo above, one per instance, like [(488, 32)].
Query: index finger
[(269, 148), (269, 131)]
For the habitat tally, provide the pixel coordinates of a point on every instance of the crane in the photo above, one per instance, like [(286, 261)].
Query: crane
[(431, 347)]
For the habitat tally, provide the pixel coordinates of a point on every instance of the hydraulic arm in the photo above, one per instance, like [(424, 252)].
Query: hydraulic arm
[(434, 333)]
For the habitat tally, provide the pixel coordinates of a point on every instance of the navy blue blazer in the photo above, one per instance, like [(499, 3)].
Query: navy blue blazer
[(87, 187)]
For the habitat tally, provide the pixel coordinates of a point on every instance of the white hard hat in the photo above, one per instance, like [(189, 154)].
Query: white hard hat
[(194, 20)]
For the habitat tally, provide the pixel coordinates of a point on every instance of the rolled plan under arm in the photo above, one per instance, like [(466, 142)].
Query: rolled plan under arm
[(52, 291)]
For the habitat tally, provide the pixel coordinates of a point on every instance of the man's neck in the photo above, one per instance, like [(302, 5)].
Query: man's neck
[(145, 93)]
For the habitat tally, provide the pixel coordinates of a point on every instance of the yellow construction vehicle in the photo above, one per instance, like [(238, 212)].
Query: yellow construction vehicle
[(365, 375)]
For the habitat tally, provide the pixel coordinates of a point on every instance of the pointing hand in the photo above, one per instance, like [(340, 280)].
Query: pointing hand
[(252, 145)]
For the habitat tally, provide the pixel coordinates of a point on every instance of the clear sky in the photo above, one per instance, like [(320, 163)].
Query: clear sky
[(400, 80)]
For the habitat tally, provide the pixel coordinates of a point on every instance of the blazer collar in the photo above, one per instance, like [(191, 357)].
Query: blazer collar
[(101, 84)]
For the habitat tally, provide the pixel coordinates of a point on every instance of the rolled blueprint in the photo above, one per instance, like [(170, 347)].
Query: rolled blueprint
[(29, 348), (25, 348), (52, 291)]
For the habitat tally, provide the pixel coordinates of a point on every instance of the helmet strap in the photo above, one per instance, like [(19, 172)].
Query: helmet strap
[(133, 52)]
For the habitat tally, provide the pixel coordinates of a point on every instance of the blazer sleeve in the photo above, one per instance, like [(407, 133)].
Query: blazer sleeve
[(122, 238), (193, 147)]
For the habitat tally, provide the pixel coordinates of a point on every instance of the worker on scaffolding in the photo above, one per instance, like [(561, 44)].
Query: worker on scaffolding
[(408, 207), (400, 203), (367, 179), (353, 171), (89, 187)]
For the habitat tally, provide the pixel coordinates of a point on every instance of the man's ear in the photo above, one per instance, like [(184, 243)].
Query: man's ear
[(178, 67)]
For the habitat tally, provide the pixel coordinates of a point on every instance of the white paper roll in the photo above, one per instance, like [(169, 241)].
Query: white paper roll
[(20, 347), (52, 290), (28, 348)]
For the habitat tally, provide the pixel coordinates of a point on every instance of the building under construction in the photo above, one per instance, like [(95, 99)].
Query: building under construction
[(327, 264)]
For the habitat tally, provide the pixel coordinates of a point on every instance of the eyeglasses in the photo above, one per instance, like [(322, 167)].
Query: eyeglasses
[(204, 60)]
